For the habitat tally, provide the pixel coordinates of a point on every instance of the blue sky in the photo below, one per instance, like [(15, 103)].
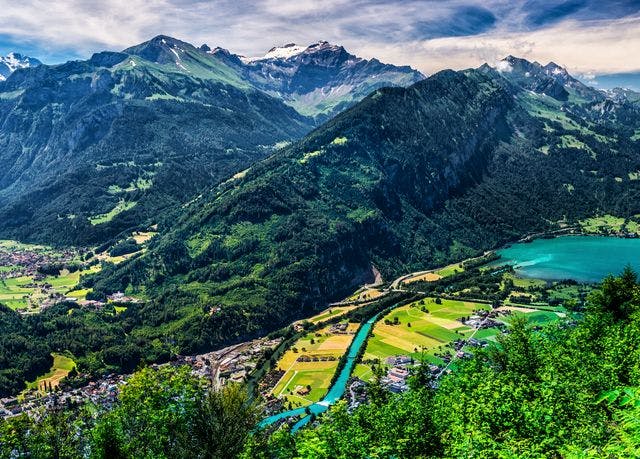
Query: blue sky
[(589, 37)]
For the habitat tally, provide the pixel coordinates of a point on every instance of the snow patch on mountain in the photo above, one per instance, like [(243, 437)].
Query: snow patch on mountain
[(284, 52), (14, 61)]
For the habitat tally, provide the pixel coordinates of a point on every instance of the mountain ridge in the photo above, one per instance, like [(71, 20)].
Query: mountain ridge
[(406, 175), (14, 61), (74, 113)]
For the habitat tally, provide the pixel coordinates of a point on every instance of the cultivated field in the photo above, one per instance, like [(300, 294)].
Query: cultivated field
[(324, 349), (422, 326), (329, 313)]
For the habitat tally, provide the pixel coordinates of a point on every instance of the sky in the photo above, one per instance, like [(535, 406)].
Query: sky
[(590, 37)]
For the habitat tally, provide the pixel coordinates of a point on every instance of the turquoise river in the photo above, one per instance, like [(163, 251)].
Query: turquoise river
[(338, 387)]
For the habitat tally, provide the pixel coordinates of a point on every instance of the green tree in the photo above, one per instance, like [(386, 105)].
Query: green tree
[(155, 406), (221, 424)]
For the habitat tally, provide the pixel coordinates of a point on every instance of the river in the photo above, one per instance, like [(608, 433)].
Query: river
[(337, 389)]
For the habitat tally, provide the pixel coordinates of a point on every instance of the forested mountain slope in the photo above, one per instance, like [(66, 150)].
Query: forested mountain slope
[(94, 147), (408, 178)]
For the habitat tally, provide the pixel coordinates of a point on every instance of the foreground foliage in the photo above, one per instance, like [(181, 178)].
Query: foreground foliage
[(161, 413), (560, 392)]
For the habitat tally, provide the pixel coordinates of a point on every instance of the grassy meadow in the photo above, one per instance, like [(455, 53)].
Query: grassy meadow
[(422, 326), (61, 367)]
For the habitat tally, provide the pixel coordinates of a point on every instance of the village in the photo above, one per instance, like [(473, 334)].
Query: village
[(231, 364)]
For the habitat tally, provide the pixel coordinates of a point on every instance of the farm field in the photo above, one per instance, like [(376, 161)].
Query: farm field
[(323, 348), (412, 331), (609, 223), (329, 313), (119, 208), (418, 330), (23, 288), (61, 367), (437, 274), (24, 292)]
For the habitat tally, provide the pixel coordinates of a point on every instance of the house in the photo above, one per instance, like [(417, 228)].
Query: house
[(401, 373), (399, 360)]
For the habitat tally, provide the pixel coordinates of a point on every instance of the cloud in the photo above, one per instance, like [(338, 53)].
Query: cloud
[(503, 66), (462, 21), (541, 15), (584, 35)]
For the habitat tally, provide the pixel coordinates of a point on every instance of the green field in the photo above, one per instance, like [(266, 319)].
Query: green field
[(419, 331), (609, 223), (61, 367), (450, 270), (119, 208), (408, 330), (524, 282), (19, 292), (315, 374), (321, 344), (14, 293)]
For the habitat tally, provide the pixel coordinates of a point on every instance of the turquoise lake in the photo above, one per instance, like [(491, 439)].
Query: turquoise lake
[(582, 258)]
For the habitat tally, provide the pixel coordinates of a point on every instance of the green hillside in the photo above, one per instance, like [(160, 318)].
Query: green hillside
[(163, 114), (407, 179)]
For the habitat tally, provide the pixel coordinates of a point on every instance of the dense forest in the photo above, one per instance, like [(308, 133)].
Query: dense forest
[(409, 178), (568, 389)]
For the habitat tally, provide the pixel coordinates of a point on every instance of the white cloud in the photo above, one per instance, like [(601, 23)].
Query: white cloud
[(503, 67), (386, 30)]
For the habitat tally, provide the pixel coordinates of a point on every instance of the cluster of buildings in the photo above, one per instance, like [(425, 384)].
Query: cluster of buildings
[(232, 364), (396, 379), (341, 328), (102, 392), (485, 319), (27, 262)]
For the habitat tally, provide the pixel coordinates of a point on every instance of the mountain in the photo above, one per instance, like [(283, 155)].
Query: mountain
[(94, 147), (623, 95), (551, 79), (408, 178), (321, 79), (13, 61), (100, 146)]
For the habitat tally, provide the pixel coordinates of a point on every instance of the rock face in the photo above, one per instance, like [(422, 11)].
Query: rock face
[(14, 61), (321, 79), (551, 79)]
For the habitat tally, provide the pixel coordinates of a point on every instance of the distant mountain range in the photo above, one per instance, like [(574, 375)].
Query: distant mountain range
[(96, 147), (321, 79), (14, 61)]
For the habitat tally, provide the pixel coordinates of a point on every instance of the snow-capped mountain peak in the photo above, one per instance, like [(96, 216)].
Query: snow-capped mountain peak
[(14, 61), (284, 52)]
